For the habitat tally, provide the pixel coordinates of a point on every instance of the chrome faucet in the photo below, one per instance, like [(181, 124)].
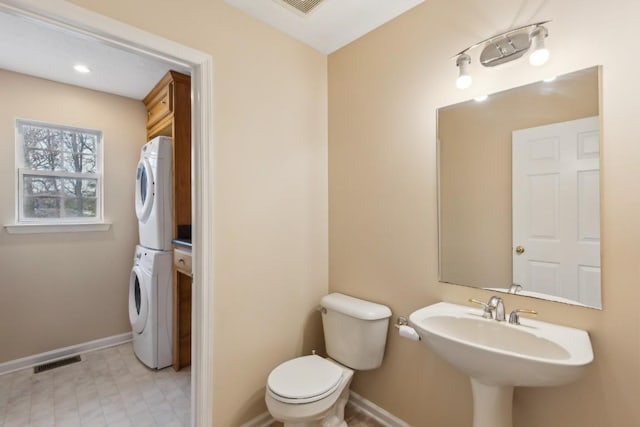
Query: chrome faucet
[(514, 288), (497, 305), (494, 309)]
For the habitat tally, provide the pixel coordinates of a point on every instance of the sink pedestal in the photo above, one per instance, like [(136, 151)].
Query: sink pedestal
[(492, 405), (496, 356)]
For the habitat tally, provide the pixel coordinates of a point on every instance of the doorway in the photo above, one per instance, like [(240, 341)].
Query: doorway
[(106, 30)]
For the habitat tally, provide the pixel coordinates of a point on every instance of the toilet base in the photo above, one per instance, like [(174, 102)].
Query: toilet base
[(333, 418), (327, 412)]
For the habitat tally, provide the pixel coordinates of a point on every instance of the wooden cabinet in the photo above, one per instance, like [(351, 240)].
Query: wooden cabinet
[(159, 107), (182, 283), (169, 114), (182, 261)]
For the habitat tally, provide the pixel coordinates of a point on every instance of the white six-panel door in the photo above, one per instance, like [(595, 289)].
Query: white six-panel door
[(556, 209)]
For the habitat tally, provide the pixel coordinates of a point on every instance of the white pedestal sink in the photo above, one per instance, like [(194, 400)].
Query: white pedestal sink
[(498, 356)]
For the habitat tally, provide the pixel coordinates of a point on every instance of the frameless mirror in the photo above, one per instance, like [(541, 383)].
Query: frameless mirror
[(519, 190)]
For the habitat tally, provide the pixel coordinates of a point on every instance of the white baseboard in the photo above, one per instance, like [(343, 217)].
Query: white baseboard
[(361, 404), (63, 353), (372, 410), (263, 420)]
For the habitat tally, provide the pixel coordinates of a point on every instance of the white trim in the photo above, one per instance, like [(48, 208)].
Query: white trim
[(263, 420), (63, 353), (372, 410), (56, 228), (116, 33), (202, 197), (360, 404)]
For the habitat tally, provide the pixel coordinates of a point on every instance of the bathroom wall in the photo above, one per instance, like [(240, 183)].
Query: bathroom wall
[(62, 289), (475, 141), (270, 172), (384, 90)]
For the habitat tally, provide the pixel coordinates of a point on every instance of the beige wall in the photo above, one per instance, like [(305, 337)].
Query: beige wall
[(384, 90), (270, 171), (62, 289), (475, 172)]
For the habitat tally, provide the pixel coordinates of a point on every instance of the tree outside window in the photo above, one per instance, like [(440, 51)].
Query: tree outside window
[(59, 172)]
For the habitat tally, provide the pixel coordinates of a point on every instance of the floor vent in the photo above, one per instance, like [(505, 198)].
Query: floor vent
[(56, 364), (304, 6)]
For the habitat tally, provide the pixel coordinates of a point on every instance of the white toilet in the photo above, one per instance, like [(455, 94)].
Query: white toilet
[(311, 391)]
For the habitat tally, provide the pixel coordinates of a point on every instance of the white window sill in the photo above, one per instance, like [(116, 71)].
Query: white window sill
[(56, 228)]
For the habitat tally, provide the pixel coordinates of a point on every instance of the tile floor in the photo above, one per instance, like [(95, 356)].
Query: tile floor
[(108, 388)]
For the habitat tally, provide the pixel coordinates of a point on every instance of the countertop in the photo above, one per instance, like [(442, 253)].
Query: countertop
[(185, 243)]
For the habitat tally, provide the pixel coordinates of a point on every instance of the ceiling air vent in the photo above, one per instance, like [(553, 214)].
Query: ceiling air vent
[(304, 6)]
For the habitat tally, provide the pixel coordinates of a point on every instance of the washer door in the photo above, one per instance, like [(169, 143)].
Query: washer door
[(138, 301), (145, 188)]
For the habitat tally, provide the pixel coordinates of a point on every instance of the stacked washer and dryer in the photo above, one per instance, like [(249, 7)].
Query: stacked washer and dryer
[(150, 285)]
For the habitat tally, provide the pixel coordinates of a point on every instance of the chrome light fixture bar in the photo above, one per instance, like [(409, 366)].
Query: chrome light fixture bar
[(505, 47)]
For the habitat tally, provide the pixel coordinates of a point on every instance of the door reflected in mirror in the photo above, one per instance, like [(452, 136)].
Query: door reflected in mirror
[(519, 190)]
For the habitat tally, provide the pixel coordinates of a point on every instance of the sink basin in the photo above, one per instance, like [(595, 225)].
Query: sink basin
[(498, 356), (533, 353)]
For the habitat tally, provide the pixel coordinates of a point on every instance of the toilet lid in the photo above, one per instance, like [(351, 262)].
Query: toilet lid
[(304, 378)]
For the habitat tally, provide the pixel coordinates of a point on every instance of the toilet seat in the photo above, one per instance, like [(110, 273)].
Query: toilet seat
[(304, 380)]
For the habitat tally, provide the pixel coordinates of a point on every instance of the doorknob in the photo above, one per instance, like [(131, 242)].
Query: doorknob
[(519, 249)]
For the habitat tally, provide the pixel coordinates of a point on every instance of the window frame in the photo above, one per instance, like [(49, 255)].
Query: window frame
[(23, 169)]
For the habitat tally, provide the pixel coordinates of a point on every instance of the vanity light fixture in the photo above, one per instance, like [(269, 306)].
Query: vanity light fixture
[(505, 47), (540, 54), (464, 79)]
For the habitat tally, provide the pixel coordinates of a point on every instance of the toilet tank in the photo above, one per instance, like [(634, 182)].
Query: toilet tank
[(355, 330)]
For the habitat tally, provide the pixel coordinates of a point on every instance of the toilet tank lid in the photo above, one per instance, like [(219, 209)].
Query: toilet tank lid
[(355, 307)]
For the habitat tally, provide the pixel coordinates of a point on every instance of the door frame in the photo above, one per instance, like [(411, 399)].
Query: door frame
[(126, 37)]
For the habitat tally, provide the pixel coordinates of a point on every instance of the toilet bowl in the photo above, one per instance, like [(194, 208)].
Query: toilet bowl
[(311, 391)]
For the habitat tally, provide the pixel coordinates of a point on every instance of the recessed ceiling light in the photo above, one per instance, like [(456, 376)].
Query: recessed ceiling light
[(81, 68), (481, 98)]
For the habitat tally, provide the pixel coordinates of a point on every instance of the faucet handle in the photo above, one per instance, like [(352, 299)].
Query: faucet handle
[(514, 317), (486, 308)]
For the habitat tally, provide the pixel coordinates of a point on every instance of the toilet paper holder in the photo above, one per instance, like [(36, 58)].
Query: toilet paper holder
[(402, 321)]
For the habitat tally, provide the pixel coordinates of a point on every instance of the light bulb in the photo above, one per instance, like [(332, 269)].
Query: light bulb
[(464, 79), (540, 54), (539, 57)]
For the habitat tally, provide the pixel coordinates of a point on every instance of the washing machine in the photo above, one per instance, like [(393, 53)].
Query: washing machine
[(154, 194), (150, 306)]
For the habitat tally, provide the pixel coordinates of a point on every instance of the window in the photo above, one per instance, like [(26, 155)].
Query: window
[(59, 174)]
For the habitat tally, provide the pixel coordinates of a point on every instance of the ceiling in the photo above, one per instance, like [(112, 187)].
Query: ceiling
[(50, 52), (330, 25), (43, 50)]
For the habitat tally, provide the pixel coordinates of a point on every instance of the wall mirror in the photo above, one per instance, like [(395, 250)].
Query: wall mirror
[(519, 190)]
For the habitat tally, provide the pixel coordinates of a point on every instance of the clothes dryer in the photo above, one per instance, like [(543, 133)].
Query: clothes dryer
[(150, 306), (154, 194)]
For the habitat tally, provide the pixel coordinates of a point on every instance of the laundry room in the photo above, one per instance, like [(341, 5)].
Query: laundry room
[(75, 269), (65, 288)]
